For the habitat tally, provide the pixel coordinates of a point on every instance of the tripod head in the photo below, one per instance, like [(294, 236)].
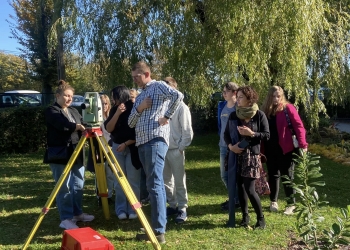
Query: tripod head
[(92, 109)]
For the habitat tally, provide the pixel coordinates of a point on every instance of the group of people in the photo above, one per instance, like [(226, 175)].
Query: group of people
[(149, 131), (267, 132)]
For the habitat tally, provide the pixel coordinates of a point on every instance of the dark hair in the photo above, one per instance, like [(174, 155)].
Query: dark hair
[(250, 93), (141, 67), (121, 94), (231, 86)]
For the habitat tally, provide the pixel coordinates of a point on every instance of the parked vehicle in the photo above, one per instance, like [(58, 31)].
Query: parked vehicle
[(33, 93), (77, 100), (8, 100)]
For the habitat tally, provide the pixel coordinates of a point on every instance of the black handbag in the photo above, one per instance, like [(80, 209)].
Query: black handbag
[(57, 153)]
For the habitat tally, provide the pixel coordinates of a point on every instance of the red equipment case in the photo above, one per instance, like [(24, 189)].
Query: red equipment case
[(84, 239)]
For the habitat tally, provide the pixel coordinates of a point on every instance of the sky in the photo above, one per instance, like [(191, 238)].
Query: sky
[(7, 45)]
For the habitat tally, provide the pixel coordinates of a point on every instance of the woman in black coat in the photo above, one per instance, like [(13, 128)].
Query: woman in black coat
[(250, 124), (64, 129)]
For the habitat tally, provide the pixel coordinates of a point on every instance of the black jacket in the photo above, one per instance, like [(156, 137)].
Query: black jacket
[(60, 131), (260, 127), (121, 132)]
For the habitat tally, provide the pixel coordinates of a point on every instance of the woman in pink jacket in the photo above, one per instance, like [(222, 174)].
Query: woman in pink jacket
[(279, 150)]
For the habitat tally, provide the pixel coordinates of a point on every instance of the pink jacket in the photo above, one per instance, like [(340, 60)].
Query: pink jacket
[(284, 133)]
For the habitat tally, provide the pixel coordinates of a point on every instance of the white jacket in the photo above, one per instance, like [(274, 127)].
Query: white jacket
[(181, 132)]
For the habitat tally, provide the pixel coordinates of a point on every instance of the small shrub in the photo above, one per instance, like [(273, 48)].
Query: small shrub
[(308, 210), (22, 129)]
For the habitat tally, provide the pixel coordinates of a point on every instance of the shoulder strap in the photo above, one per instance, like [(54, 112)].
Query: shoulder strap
[(288, 121)]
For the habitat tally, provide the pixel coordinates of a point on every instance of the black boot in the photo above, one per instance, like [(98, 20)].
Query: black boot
[(260, 224), (245, 220)]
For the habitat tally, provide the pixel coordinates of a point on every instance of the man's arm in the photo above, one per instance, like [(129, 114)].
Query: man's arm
[(186, 126), (137, 110), (174, 96)]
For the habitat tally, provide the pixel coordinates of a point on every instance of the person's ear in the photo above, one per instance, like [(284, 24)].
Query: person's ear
[(147, 74)]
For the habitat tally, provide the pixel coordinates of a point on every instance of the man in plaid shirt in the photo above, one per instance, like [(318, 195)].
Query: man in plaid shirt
[(150, 117)]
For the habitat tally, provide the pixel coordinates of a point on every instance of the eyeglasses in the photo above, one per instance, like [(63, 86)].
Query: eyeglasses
[(136, 76), (105, 103)]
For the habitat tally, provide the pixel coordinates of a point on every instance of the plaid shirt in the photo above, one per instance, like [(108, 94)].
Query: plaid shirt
[(165, 101)]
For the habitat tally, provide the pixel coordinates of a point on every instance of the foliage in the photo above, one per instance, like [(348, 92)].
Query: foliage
[(301, 46), (339, 230), (308, 211), (22, 129), (32, 23), (80, 74), (204, 119), (14, 74), (335, 148)]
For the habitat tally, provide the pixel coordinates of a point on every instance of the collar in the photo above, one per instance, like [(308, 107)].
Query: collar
[(148, 84)]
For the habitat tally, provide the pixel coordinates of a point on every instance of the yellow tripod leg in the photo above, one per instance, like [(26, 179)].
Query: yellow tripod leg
[(118, 172), (54, 192), (101, 179)]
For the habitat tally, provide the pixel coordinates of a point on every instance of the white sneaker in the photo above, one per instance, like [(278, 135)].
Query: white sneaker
[(132, 216), (289, 210), (83, 217), (122, 216), (273, 206), (68, 224)]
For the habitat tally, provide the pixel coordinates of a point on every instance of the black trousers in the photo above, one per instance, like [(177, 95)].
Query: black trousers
[(246, 189), (278, 165)]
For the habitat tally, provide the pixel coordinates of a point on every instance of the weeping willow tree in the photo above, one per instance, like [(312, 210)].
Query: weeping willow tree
[(302, 46)]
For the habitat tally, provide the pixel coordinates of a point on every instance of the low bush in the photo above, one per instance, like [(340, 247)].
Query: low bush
[(22, 129)]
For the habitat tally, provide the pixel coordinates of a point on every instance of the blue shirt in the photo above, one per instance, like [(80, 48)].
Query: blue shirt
[(165, 101)]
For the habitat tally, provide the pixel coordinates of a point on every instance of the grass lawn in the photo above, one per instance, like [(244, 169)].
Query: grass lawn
[(26, 184)]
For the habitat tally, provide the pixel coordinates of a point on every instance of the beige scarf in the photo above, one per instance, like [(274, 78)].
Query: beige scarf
[(244, 113)]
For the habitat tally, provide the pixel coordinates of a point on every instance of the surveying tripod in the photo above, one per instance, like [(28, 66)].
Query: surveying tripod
[(104, 150)]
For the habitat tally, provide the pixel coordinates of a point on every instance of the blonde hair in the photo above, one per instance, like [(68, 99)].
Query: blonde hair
[(63, 86), (133, 94), (105, 98), (268, 108), (171, 82)]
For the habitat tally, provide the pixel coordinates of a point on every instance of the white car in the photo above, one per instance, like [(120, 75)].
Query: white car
[(17, 98), (33, 93)]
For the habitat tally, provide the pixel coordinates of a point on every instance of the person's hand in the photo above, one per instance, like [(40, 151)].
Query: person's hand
[(145, 104), (79, 127), (303, 150), (121, 108), (121, 147), (163, 121), (244, 130), (235, 149)]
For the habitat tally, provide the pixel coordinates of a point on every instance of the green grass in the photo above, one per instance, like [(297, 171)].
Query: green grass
[(26, 183)]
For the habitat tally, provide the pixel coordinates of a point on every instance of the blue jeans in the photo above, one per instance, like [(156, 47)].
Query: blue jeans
[(223, 173), (132, 174), (69, 197), (152, 156), (143, 187)]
